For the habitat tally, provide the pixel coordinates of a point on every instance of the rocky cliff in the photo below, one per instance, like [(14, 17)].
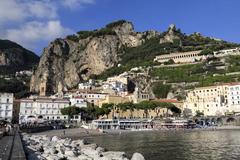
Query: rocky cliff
[(66, 62), (12, 54), (109, 51)]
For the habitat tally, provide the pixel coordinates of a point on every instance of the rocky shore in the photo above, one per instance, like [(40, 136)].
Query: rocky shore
[(42, 147)]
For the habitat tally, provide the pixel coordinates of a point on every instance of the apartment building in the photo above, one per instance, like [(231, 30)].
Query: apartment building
[(6, 106), (92, 97), (42, 108), (214, 100), (78, 102)]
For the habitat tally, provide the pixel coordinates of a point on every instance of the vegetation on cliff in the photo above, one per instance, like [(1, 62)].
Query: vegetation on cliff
[(144, 54), (93, 112)]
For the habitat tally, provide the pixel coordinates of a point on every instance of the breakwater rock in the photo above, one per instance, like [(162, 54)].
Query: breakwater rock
[(43, 147)]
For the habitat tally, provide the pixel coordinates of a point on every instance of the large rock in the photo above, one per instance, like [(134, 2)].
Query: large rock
[(91, 153), (55, 139), (84, 157), (56, 148), (114, 155), (65, 62), (171, 35), (137, 156)]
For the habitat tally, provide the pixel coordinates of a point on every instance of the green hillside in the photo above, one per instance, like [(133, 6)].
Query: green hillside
[(144, 54)]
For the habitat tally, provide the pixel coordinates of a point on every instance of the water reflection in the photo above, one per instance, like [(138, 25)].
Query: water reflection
[(179, 145)]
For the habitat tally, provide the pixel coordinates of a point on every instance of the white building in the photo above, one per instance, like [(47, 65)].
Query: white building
[(87, 85), (6, 106), (92, 97), (233, 98), (115, 88), (214, 100), (227, 52), (42, 109), (78, 102), (181, 57)]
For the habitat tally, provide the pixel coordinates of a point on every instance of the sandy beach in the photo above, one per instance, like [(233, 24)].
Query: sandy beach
[(73, 133)]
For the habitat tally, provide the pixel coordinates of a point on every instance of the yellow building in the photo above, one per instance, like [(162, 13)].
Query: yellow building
[(114, 99), (214, 100)]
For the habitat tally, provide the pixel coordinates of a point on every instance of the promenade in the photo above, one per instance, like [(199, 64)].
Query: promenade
[(11, 148)]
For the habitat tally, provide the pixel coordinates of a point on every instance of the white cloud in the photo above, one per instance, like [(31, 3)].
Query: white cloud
[(42, 9), (33, 22), (19, 10), (74, 4), (31, 33), (11, 11)]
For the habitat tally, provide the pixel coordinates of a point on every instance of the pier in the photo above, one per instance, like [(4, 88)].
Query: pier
[(11, 147)]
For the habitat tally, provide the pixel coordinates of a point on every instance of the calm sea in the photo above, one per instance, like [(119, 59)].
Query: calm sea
[(176, 145)]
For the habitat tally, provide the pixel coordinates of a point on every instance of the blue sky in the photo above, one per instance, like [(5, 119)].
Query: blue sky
[(34, 23)]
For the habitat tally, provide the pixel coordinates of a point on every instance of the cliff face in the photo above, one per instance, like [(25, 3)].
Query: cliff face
[(12, 54), (66, 62), (170, 35)]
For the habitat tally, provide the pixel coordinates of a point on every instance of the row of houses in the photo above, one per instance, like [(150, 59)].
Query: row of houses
[(214, 100)]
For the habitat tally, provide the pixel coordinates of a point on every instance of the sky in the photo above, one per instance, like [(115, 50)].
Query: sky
[(35, 23)]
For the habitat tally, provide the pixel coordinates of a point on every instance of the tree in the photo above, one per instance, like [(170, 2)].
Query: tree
[(107, 107), (170, 61), (70, 111), (206, 52), (199, 114), (160, 90)]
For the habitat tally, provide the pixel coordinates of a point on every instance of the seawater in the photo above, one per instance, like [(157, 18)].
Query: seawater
[(175, 145)]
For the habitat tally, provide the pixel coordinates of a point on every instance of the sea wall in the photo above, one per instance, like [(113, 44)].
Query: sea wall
[(43, 147)]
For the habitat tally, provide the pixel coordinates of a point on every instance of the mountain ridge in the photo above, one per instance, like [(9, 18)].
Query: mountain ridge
[(114, 49)]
